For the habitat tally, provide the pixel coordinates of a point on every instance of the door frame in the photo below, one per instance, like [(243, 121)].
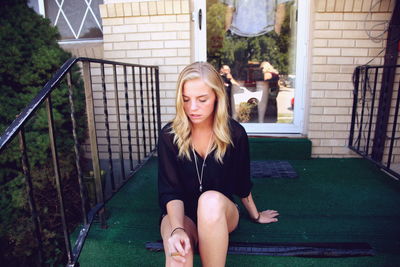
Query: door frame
[(199, 45)]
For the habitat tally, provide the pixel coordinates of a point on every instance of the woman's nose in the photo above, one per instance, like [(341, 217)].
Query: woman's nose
[(193, 105)]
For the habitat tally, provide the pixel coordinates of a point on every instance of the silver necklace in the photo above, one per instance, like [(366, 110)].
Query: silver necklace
[(200, 176)]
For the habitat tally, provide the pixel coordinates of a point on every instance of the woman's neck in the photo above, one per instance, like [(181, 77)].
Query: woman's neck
[(202, 128)]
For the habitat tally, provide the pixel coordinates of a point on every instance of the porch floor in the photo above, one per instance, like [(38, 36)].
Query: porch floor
[(333, 200)]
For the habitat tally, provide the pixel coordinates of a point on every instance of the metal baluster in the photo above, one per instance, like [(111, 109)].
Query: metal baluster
[(158, 100), (364, 89), (58, 178), (76, 149), (31, 199), (153, 107), (121, 153), (128, 119), (372, 112), (148, 107), (142, 110), (136, 115), (94, 149), (110, 162), (393, 137), (355, 102)]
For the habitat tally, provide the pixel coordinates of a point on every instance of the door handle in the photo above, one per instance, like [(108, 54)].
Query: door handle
[(200, 18)]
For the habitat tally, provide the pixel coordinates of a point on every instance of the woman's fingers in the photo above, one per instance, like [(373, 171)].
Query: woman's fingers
[(179, 247), (268, 216), (186, 245)]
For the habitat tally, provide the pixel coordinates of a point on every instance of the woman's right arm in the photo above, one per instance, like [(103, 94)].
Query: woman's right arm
[(179, 240), (175, 210), (171, 195)]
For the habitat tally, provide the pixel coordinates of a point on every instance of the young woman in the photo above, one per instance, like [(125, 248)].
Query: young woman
[(270, 84), (203, 161)]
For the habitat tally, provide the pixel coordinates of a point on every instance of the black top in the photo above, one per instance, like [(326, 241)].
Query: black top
[(177, 177)]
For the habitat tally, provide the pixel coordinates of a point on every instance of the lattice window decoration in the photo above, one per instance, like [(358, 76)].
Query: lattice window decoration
[(75, 19)]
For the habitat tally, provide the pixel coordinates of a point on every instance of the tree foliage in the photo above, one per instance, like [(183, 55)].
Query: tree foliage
[(237, 51), (30, 55)]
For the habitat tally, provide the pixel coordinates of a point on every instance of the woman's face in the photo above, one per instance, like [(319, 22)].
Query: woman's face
[(198, 101)]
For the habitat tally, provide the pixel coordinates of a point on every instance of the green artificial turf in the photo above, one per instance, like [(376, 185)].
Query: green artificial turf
[(333, 200), (262, 148)]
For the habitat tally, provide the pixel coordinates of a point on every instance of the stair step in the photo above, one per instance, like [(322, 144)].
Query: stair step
[(267, 148)]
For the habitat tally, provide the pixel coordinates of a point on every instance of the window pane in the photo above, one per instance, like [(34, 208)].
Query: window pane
[(75, 19), (252, 43)]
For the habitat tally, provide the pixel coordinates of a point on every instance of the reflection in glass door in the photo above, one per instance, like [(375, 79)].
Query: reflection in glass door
[(253, 45)]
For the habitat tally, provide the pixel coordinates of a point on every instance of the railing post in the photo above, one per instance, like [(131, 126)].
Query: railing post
[(158, 100), (57, 176), (29, 191), (136, 114), (142, 111), (356, 82), (119, 134), (76, 149), (128, 120), (153, 106), (107, 124), (93, 139), (148, 106)]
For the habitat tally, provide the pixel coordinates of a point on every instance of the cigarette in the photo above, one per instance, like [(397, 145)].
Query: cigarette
[(173, 254)]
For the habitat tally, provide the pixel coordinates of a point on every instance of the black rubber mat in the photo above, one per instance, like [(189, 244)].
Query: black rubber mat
[(272, 169), (291, 249)]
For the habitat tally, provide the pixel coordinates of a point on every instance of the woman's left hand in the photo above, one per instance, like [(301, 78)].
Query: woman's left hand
[(268, 216)]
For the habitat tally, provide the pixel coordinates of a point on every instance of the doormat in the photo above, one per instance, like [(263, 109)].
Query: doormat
[(314, 250), (272, 169)]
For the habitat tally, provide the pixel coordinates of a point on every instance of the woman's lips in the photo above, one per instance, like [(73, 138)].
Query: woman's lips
[(195, 116)]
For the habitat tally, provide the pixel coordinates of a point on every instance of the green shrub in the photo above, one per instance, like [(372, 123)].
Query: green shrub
[(30, 55)]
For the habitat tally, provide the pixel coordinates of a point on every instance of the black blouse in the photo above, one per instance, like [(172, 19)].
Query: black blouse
[(177, 177)]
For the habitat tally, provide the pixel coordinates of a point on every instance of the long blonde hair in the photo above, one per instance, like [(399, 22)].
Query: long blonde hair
[(181, 125), (267, 67)]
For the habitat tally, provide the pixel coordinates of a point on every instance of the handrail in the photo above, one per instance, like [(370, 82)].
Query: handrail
[(373, 93), (22, 118), (32, 107), (150, 122)]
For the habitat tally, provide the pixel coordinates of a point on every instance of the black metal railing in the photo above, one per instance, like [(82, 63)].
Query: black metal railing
[(374, 132), (122, 132)]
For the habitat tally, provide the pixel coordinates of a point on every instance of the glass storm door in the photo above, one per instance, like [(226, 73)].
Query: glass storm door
[(259, 48)]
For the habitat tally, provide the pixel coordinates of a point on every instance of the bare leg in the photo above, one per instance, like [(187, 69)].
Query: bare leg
[(217, 217), (262, 105), (166, 230), (235, 89)]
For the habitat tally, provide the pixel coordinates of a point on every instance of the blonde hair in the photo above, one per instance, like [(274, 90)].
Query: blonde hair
[(267, 67), (181, 125)]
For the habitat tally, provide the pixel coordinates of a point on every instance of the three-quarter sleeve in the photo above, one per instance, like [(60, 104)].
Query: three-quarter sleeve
[(169, 186), (243, 181)]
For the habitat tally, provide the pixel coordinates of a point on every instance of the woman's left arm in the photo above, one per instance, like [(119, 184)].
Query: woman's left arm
[(266, 216)]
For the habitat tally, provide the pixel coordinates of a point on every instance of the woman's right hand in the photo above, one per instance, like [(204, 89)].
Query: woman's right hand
[(179, 245)]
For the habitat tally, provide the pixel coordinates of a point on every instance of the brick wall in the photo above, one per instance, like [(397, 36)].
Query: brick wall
[(340, 42), (150, 33), (146, 33)]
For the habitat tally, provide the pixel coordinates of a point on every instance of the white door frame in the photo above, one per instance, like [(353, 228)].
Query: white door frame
[(302, 63)]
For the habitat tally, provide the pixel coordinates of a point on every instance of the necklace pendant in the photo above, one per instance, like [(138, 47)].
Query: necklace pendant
[(201, 188)]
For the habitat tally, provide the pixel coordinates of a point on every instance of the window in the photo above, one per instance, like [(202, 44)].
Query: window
[(75, 19)]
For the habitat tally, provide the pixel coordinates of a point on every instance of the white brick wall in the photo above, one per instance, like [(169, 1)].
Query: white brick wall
[(147, 33), (153, 33), (340, 43)]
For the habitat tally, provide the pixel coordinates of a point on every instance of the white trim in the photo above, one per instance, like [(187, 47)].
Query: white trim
[(78, 41), (302, 63), (200, 36), (42, 10)]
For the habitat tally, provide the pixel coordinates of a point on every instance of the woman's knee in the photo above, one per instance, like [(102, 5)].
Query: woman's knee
[(211, 206)]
